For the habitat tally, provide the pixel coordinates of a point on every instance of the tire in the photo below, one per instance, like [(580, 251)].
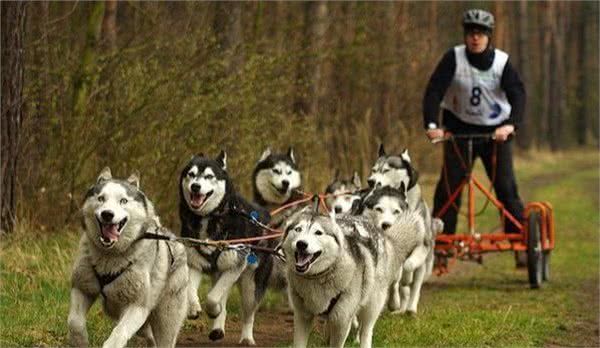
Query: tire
[(535, 258), (546, 267)]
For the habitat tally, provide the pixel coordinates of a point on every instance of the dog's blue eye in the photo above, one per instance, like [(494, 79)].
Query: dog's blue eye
[(123, 201), (101, 199), (289, 173)]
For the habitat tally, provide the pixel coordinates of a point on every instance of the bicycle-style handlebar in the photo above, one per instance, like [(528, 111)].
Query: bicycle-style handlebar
[(449, 136)]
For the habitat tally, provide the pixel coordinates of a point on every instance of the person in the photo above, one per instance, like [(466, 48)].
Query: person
[(480, 92)]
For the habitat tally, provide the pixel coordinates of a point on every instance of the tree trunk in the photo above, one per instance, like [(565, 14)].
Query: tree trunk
[(109, 25), (557, 77), (581, 123), (310, 69), (13, 32), (228, 30), (524, 138), (547, 18), (84, 80)]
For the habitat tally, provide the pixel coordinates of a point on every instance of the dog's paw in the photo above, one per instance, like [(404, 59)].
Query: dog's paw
[(194, 313), (247, 341), (216, 334), (397, 312), (411, 314)]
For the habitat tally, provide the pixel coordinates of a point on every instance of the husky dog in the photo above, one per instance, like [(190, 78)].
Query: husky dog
[(339, 268), (276, 181), (384, 207), (397, 170), (343, 193), (142, 282), (210, 208)]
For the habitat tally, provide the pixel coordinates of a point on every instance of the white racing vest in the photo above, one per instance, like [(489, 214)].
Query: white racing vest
[(474, 95)]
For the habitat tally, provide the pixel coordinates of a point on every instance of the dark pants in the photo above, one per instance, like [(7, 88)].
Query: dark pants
[(504, 184)]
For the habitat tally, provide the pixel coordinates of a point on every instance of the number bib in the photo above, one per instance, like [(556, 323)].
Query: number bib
[(474, 95)]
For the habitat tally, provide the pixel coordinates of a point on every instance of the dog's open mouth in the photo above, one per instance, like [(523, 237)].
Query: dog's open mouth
[(280, 190), (111, 232), (197, 200), (304, 260)]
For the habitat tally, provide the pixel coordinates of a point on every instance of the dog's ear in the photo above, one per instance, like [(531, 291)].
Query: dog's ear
[(336, 175), (356, 180), (381, 150), (265, 154), (332, 215), (134, 179), (405, 155), (105, 175), (290, 154), (222, 159)]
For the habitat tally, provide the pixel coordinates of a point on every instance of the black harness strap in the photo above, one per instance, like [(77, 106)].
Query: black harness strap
[(106, 278), (332, 304)]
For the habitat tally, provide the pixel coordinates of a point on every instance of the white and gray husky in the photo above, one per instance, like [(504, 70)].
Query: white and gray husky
[(384, 206), (395, 171), (210, 208), (142, 282), (341, 268), (342, 193)]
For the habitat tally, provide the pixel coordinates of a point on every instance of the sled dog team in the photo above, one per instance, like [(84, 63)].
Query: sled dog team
[(374, 248)]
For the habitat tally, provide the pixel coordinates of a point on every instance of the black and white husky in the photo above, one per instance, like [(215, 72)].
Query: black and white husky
[(339, 268), (343, 193), (142, 282), (210, 208), (276, 179)]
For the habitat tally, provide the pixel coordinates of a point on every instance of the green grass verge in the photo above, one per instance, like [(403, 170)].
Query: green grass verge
[(474, 305)]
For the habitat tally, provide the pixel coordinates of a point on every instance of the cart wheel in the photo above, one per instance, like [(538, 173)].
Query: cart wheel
[(535, 259), (546, 268)]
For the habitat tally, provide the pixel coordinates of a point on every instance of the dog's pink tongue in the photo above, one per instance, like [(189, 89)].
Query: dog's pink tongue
[(197, 199), (302, 259), (110, 232)]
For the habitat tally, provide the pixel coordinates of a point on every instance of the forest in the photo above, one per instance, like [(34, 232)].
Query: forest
[(145, 85)]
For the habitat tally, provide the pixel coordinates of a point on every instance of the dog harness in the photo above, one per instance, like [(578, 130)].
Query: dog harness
[(104, 279)]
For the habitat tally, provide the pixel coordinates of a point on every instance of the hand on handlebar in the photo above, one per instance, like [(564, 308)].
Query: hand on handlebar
[(502, 133), (436, 133)]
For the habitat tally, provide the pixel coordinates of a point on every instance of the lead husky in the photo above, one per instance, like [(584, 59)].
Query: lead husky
[(343, 193), (210, 208), (339, 268), (142, 282)]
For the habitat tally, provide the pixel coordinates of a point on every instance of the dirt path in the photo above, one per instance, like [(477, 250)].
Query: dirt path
[(271, 329)]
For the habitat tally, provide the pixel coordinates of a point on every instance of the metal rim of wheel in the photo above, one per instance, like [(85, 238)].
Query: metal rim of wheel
[(535, 258)]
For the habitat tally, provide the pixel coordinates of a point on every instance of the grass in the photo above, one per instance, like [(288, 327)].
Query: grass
[(474, 305)]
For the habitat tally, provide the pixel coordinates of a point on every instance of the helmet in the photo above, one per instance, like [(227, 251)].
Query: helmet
[(476, 17)]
